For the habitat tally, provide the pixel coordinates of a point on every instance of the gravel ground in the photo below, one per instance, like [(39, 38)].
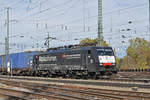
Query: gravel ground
[(3, 97)]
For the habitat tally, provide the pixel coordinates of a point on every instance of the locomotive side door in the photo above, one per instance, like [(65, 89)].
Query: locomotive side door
[(90, 63)]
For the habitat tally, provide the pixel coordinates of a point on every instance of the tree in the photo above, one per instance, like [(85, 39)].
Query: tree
[(92, 42), (138, 55)]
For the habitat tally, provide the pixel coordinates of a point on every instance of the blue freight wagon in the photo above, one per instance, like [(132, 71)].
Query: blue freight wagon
[(18, 60)]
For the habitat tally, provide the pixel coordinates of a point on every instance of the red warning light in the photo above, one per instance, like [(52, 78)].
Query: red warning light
[(107, 64)]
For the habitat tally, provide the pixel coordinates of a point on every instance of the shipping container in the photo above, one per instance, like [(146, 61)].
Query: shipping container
[(18, 60)]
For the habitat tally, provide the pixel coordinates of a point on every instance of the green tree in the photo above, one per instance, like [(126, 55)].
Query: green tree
[(92, 42), (118, 62), (138, 55)]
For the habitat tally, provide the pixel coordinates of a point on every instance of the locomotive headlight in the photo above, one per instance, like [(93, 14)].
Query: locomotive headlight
[(101, 64)]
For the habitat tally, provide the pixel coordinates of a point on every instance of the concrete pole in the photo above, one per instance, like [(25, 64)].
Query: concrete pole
[(100, 23), (7, 38)]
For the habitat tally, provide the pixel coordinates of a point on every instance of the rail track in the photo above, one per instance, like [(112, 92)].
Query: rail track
[(117, 82), (53, 92), (30, 88), (137, 75), (22, 95)]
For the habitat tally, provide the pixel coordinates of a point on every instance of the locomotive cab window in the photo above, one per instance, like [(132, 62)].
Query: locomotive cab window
[(105, 52)]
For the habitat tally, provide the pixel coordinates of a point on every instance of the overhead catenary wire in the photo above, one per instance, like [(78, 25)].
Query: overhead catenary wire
[(37, 4), (50, 8), (115, 26), (72, 22), (105, 13), (59, 31)]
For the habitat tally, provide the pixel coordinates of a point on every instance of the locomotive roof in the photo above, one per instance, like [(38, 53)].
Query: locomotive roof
[(73, 49)]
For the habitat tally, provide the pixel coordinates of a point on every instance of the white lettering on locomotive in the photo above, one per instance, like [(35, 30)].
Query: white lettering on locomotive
[(47, 58), (107, 59), (74, 56)]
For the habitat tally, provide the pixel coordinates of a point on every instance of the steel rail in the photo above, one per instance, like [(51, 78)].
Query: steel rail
[(56, 79), (30, 95), (85, 82), (13, 97), (86, 95), (100, 92), (121, 93)]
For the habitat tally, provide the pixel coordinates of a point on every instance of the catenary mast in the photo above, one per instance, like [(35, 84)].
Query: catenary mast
[(100, 23), (149, 19), (7, 38)]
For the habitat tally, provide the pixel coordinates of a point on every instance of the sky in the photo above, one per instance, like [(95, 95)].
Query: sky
[(70, 21)]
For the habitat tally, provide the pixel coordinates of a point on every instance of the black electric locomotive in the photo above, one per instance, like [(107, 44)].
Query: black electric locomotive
[(76, 62)]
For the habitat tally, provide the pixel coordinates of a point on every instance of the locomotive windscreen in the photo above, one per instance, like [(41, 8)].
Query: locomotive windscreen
[(104, 52)]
